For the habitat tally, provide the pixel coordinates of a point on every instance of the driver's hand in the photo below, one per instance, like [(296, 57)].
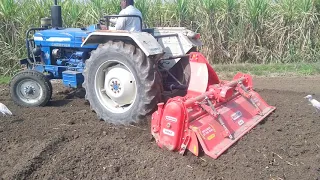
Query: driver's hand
[(113, 20), (103, 27)]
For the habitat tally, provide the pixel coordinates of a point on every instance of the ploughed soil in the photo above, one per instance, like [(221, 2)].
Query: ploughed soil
[(64, 140)]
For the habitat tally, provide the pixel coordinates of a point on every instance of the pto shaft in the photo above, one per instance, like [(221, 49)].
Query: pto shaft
[(201, 97)]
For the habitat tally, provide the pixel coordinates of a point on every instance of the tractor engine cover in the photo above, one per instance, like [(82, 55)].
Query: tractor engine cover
[(169, 127)]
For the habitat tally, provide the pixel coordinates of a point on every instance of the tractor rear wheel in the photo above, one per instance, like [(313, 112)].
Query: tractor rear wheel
[(30, 88), (122, 84)]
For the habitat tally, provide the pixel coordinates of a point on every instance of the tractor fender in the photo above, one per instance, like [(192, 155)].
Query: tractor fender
[(145, 41)]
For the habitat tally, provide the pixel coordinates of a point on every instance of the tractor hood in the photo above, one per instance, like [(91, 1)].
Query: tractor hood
[(67, 37)]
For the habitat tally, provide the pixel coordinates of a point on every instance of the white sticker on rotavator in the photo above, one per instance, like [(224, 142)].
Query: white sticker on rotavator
[(257, 101), (241, 122), (168, 132), (170, 118), (236, 115)]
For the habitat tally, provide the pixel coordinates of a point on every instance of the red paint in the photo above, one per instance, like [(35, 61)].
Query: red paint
[(187, 122)]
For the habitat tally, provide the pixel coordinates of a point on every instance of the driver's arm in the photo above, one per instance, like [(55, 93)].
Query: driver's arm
[(121, 23)]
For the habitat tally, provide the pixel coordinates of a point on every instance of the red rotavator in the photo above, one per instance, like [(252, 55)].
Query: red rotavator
[(214, 114)]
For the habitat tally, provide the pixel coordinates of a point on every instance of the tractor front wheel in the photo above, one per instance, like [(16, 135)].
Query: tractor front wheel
[(30, 88), (122, 84)]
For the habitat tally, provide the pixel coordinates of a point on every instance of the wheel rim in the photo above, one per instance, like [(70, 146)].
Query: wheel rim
[(115, 86), (29, 91)]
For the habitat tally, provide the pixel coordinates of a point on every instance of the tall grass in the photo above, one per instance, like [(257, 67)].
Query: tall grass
[(233, 31)]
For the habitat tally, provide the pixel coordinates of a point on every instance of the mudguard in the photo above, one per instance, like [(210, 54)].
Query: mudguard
[(146, 42)]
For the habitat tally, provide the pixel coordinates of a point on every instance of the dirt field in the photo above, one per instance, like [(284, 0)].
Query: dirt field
[(66, 141)]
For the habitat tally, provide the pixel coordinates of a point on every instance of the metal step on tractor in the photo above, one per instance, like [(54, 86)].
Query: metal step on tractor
[(128, 75)]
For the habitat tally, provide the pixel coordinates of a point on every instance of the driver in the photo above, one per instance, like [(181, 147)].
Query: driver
[(127, 23)]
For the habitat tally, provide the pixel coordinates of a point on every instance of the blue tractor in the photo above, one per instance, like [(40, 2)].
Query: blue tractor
[(124, 74)]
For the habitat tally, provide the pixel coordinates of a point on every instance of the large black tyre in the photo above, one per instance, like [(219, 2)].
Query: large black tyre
[(30, 88), (146, 77)]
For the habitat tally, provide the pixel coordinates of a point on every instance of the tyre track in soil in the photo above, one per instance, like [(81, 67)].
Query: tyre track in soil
[(37, 157), (65, 141)]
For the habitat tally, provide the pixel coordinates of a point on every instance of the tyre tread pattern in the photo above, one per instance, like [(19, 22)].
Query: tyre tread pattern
[(38, 76), (147, 72)]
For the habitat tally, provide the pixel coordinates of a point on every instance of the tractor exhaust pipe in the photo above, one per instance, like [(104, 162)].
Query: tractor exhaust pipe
[(56, 15)]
